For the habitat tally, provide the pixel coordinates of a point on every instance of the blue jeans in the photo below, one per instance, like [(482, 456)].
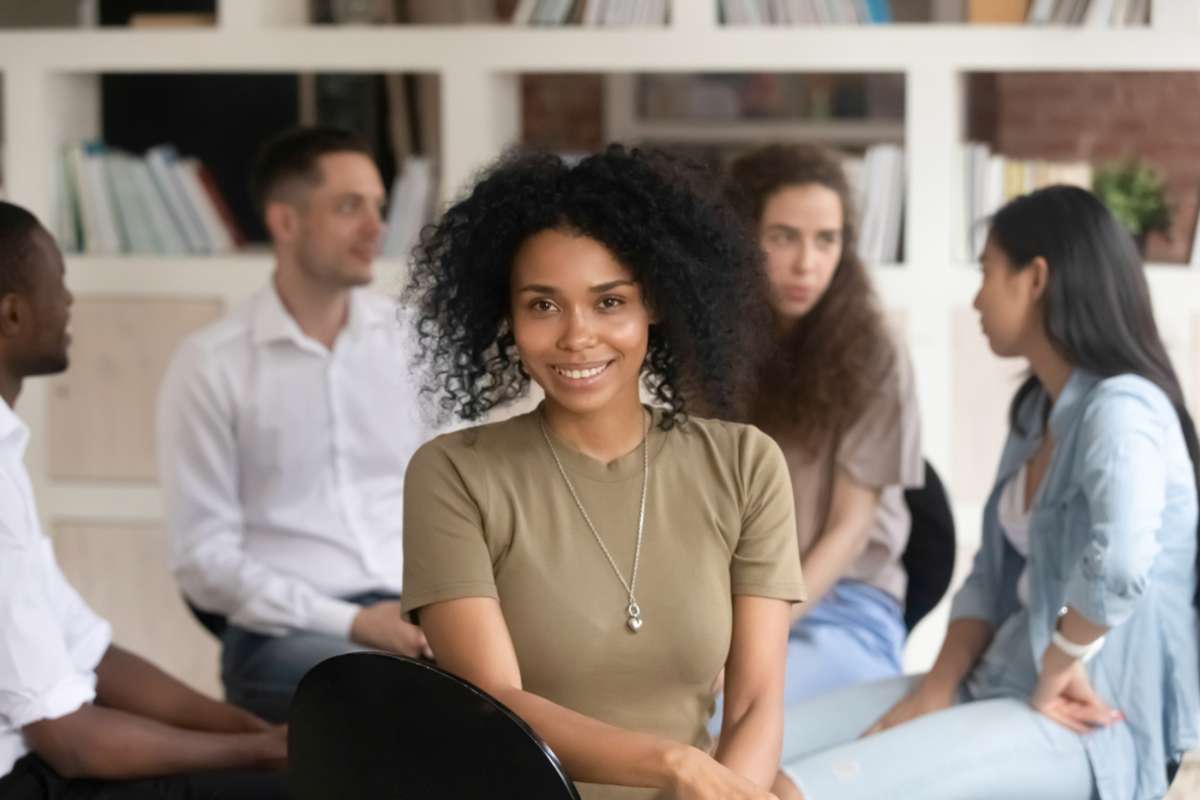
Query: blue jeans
[(985, 750), (854, 635), (261, 673)]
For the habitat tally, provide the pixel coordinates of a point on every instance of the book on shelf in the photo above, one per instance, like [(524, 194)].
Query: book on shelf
[(610, 13), (806, 12), (1194, 256), (991, 12), (161, 160), (409, 208), (1089, 13), (1084, 13), (112, 202), (878, 183), (993, 179), (161, 20), (444, 12)]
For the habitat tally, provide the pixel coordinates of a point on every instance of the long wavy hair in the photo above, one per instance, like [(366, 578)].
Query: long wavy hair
[(660, 217), (1096, 309), (821, 375)]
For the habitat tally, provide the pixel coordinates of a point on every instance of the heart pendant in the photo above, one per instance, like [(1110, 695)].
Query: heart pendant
[(634, 623)]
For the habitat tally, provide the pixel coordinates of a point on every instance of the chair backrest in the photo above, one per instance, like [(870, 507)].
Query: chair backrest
[(929, 556), (382, 726)]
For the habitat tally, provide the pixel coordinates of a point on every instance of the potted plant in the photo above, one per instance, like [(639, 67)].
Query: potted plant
[(1135, 195)]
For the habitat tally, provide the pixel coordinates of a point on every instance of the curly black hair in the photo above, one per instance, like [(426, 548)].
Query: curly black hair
[(659, 216)]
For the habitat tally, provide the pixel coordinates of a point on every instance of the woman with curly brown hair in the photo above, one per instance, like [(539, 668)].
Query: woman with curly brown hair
[(836, 392), (596, 563)]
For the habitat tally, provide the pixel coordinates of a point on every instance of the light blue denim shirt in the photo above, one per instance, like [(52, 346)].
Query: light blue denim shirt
[(1113, 536)]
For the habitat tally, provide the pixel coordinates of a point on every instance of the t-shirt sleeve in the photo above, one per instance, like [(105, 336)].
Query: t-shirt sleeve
[(766, 561), (883, 448), (446, 556)]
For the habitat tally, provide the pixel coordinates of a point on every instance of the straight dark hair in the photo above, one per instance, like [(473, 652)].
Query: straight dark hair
[(1096, 308)]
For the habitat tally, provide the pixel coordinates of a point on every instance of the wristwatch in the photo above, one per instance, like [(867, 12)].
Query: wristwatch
[(1082, 652)]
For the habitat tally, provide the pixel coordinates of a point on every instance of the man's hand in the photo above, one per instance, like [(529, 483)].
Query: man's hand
[(242, 721), (271, 747), (383, 627)]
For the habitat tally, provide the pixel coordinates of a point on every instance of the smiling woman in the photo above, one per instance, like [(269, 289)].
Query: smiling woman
[(597, 563), (582, 334), (692, 262)]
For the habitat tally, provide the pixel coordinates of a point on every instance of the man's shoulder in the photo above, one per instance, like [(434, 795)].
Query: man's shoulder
[(13, 528), (213, 338)]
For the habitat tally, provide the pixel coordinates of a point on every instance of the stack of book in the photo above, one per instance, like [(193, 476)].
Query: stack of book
[(878, 180), (114, 202), (806, 12), (993, 179), (1089, 13), (592, 12), (1085, 13), (410, 207)]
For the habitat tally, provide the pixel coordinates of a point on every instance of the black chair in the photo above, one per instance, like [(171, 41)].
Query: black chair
[(382, 726), (929, 556), (213, 623)]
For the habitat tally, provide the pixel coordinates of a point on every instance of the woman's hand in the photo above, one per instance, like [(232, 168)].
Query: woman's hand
[(695, 775), (925, 699), (1065, 695)]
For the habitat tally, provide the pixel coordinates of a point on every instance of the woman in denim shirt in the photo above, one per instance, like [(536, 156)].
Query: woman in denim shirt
[(1070, 666)]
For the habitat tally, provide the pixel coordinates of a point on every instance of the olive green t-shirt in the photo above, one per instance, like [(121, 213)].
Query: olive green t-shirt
[(487, 514)]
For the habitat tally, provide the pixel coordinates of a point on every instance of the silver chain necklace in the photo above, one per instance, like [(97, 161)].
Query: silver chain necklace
[(633, 611)]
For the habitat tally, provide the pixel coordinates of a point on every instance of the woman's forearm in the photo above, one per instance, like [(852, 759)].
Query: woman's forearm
[(829, 559), (853, 509), (127, 682), (751, 744), (594, 751), (966, 639)]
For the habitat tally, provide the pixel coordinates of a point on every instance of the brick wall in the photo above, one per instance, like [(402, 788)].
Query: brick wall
[(1101, 117), (563, 112)]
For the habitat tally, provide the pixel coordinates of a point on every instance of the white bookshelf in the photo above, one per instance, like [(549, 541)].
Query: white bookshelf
[(51, 97)]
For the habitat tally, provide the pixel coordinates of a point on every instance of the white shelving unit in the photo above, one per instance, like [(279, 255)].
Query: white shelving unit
[(51, 97)]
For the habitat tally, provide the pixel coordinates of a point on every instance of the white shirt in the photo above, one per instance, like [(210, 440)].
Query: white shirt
[(50, 641), (283, 463), (1014, 521)]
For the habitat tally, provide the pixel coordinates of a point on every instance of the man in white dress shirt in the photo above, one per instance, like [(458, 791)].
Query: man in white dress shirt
[(81, 718), (284, 431)]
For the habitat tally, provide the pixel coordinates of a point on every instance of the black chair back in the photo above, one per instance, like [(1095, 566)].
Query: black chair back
[(929, 556), (382, 726), (213, 623)]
